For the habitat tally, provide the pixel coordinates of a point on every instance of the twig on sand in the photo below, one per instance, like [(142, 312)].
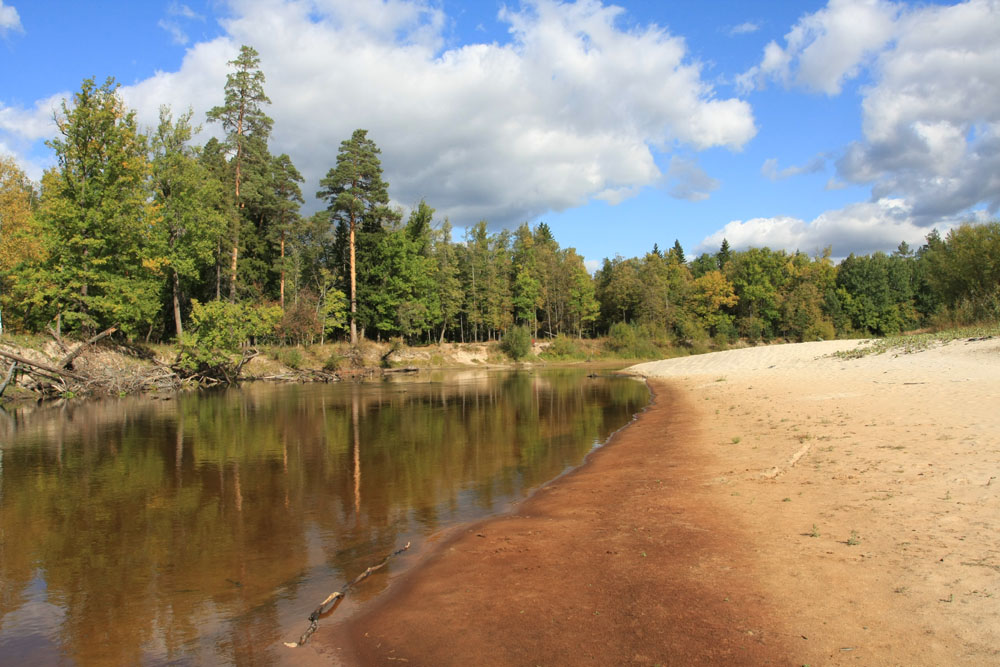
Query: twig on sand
[(337, 595)]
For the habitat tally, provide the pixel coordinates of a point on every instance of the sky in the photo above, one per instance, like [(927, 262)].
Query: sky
[(848, 124)]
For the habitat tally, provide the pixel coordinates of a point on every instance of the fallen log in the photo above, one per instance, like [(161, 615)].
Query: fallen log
[(68, 359), (42, 367), (337, 595)]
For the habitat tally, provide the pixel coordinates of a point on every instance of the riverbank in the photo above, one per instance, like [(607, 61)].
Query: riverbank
[(48, 368), (773, 506)]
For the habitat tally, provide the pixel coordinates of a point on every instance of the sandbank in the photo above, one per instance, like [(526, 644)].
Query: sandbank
[(773, 505)]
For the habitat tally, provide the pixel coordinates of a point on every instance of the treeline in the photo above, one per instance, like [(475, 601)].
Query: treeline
[(146, 230)]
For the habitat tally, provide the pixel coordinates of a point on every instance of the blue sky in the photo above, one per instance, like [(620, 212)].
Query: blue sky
[(854, 124)]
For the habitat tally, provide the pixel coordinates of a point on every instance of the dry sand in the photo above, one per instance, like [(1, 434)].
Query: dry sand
[(894, 458), (775, 505)]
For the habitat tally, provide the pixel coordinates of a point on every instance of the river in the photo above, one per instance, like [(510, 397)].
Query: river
[(205, 528)]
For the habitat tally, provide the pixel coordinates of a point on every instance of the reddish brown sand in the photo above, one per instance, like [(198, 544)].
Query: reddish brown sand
[(770, 507)]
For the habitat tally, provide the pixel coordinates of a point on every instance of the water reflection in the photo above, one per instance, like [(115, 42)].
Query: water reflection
[(206, 528)]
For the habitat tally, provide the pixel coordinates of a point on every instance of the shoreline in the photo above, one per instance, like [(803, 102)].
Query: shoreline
[(788, 510), (547, 583)]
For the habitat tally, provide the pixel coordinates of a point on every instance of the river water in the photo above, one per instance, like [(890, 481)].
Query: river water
[(204, 529)]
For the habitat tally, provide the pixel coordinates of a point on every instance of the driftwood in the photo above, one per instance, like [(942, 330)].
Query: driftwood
[(407, 369), (68, 359), (48, 370), (339, 595), (10, 374), (58, 338)]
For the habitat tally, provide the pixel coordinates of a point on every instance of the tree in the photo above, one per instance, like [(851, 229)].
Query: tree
[(711, 295), (96, 214), (964, 270), (702, 264), (676, 254), (356, 193), (526, 287), (449, 287), (247, 129), (184, 192), (19, 242), (619, 290), (582, 305), (724, 255), (758, 275), (868, 295), (285, 195)]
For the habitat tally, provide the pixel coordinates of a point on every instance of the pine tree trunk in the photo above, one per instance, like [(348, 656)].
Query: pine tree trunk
[(282, 289), (354, 287), (218, 269)]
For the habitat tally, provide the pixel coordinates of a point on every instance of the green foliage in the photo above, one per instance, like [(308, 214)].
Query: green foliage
[(289, 356), (96, 218), (517, 343), (247, 129), (333, 362), (219, 330), (629, 341), (358, 202), (964, 272), (877, 292), (20, 245), (909, 344), (143, 234), (564, 348), (188, 222)]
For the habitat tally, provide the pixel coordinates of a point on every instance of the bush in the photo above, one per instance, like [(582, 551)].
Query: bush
[(333, 362), (630, 342), (564, 347), (621, 337), (517, 343), (213, 348), (289, 356)]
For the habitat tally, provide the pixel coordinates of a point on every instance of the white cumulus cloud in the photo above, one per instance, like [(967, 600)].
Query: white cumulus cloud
[(825, 48), (931, 119), (10, 20), (860, 228), (573, 108), (930, 114)]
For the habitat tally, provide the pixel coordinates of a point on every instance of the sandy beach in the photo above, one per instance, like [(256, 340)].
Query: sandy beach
[(774, 505)]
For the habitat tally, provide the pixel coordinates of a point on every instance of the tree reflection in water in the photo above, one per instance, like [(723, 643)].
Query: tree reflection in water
[(206, 528)]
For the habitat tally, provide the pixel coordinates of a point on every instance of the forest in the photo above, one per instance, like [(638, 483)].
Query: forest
[(207, 245)]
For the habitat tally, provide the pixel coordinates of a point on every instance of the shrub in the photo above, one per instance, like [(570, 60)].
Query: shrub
[(290, 356), (564, 347), (621, 337), (212, 348), (517, 343), (631, 342), (333, 362)]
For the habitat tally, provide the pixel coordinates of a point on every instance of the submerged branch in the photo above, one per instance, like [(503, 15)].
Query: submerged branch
[(337, 595)]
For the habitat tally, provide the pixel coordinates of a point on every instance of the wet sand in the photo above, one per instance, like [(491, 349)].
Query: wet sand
[(772, 506)]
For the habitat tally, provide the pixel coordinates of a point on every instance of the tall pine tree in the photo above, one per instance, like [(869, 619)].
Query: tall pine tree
[(247, 129), (357, 195)]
